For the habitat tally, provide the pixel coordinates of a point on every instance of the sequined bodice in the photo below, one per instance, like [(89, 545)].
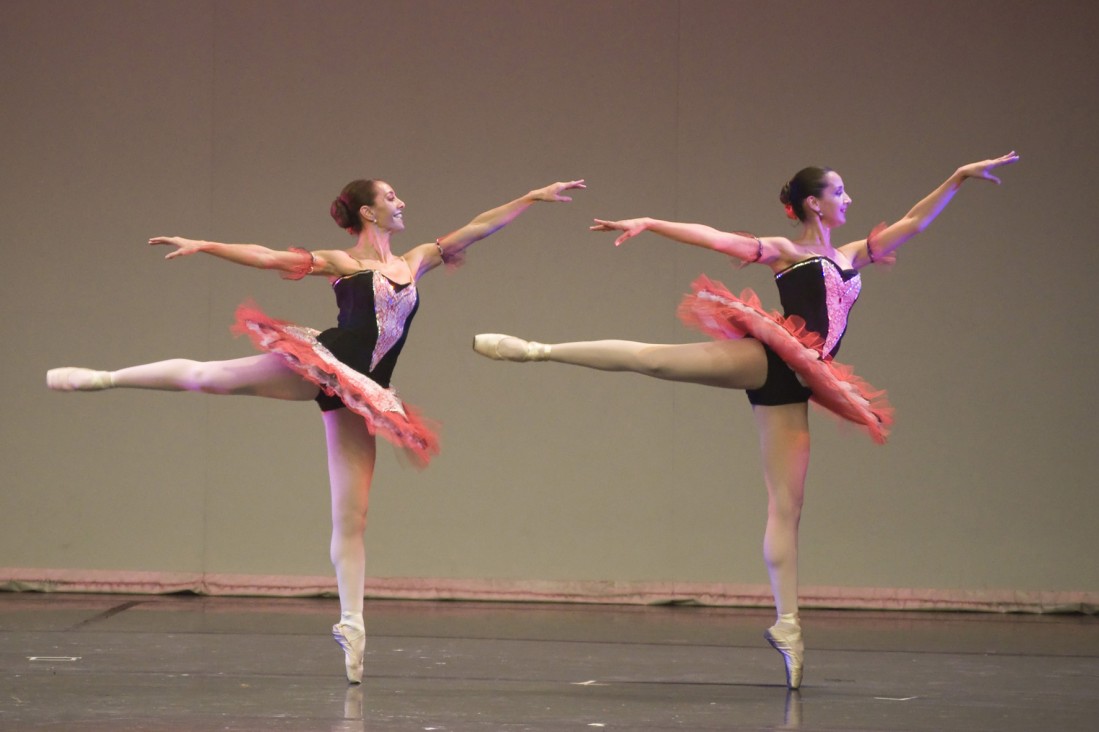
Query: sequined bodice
[(378, 310), (822, 294)]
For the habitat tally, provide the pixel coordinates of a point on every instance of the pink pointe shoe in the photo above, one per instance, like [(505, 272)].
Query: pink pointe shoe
[(488, 345), (72, 378), (353, 643), (786, 639)]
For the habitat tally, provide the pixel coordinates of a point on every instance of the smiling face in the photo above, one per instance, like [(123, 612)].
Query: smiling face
[(832, 202), (387, 212)]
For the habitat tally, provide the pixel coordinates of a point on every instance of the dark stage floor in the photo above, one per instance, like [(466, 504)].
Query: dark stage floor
[(119, 663)]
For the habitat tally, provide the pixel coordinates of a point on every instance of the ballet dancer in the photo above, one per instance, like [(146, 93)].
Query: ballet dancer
[(345, 369), (784, 361)]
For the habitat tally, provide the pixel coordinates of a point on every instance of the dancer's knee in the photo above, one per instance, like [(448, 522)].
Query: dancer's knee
[(191, 375), (653, 361), (349, 524), (227, 378), (208, 378), (784, 506)]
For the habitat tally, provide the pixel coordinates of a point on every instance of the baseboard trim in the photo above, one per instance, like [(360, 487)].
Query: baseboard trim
[(581, 591)]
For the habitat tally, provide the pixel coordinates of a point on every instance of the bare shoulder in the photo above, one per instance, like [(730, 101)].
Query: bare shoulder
[(334, 255), (335, 262), (781, 244), (855, 254), (420, 251), (785, 251), (422, 258)]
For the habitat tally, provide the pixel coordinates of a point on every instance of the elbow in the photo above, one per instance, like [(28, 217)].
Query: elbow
[(914, 225), (269, 260)]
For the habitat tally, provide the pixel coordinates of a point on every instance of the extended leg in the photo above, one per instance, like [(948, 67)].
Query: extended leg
[(351, 452), (265, 375), (784, 443), (735, 364)]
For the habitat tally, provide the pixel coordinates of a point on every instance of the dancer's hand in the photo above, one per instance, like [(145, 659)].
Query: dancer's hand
[(984, 168), (184, 247), (631, 227), (553, 191)]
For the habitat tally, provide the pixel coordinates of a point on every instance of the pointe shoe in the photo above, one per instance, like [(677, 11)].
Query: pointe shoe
[(353, 643), (786, 639), (488, 344), (71, 378)]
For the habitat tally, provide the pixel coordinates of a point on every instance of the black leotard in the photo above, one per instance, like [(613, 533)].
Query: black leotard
[(821, 293), (375, 314)]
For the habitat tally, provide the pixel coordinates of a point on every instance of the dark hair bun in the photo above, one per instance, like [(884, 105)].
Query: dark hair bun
[(342, 214)]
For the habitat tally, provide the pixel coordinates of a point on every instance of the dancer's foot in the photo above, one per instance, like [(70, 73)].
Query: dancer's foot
[(71, 378), (785, 637), (509, 348), (353, 642)]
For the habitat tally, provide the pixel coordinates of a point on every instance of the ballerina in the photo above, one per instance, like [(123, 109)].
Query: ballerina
[(345, 369), (784, 360)]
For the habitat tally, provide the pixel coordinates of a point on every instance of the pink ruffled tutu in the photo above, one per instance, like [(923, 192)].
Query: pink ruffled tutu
[(384, 412), (715, 311)]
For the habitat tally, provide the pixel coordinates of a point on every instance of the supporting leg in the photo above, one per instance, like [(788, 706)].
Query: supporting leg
[(784, 443), (351, 453)]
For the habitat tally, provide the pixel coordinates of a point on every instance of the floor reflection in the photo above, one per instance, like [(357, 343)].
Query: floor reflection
[(352, 711), (792, 717)]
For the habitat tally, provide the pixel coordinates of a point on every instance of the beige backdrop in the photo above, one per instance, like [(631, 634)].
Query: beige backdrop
[(241, 120)]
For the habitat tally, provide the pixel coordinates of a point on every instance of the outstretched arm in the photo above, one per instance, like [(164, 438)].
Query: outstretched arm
[(296, 263), (450, 247), (742, 246), (923, 213)]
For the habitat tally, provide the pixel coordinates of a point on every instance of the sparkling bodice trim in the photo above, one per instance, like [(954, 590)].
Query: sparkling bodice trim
[(840, 296), (391, 308)]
